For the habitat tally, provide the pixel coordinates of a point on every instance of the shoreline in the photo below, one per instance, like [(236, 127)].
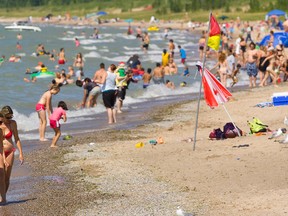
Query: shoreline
[(103, 173), (109, 175), (174, 24)]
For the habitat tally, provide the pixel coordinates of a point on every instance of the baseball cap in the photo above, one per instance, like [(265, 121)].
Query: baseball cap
[(121, 64)]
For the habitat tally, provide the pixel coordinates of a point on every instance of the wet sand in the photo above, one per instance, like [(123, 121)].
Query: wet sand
[(102, 173)]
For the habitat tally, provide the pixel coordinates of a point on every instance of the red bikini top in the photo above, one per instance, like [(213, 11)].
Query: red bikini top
[(8, 135)]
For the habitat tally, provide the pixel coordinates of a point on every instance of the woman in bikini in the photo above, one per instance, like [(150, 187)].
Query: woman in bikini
[(223, 68), (78, 62), (45, 103), (9, 129), (2, 169)]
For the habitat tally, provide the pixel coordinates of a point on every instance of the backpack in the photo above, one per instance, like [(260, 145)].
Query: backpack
[(217, 134), (230, 131), (257, 126)]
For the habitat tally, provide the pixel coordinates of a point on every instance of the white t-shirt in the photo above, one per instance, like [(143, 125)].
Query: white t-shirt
[(231, 61), (237, 43)]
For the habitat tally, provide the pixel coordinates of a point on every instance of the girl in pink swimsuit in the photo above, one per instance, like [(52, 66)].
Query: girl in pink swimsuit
[(59, 113)]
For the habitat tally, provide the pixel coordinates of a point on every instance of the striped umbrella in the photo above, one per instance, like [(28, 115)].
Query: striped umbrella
[(214, 91)]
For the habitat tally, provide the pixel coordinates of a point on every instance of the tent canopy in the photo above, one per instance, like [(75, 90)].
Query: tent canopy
[(279, 37), (276, 13)]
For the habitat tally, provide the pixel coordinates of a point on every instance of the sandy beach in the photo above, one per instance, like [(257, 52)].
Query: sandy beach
[(103, 173)]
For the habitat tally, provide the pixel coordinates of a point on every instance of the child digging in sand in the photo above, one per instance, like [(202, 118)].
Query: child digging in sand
[(59, 113)]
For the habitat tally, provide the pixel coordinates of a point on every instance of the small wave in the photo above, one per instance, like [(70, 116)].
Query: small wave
[(89, 47), (92, 54), (131, 48)]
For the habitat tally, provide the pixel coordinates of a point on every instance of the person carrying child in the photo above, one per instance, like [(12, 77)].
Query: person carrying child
[(59, 113)]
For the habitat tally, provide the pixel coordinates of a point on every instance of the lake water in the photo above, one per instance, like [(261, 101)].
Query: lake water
[(113, 46)]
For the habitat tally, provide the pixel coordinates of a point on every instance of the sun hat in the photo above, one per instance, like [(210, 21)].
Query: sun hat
[(270, 48)]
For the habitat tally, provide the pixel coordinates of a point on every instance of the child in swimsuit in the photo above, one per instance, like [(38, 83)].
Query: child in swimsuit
[(59, 113), (43, 104)]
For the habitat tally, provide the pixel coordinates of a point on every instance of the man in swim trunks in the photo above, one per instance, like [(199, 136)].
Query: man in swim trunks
[(62, 59), (251, 66), (146, 78), (182, 54), (158, 74), (146, 41)]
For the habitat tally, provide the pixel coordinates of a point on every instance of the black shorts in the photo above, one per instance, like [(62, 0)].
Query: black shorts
[(145, 46), (121, 93), (109, 98)]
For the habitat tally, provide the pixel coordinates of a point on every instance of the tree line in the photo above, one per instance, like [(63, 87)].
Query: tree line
[(162, 6)]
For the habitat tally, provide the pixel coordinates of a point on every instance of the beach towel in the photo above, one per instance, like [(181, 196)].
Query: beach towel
[(264, 104)]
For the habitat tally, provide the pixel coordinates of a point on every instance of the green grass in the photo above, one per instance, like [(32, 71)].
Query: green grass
[(83, 9)]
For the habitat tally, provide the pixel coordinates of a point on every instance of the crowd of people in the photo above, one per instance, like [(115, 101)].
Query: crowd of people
[(113, 81), (262, 63)]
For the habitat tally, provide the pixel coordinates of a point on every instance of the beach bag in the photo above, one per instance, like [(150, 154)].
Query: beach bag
[(230, 131), (257, 126), (217, 134)]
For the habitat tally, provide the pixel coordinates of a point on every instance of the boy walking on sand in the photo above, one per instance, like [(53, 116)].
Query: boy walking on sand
[(59, 113)]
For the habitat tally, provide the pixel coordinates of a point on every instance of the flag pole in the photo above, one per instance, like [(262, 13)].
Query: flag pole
[(200, 88)]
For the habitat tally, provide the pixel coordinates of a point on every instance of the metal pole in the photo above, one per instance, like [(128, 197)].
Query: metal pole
[(200, 88)]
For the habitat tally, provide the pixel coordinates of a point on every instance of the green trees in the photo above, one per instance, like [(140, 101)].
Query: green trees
[(162, 6), (282, 4), (254, 5)]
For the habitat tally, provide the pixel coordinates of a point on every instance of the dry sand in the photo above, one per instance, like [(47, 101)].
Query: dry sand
[(106, 175)]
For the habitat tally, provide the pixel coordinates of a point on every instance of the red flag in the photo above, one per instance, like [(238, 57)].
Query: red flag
[(214, 27), (214, 34), (214, 90)]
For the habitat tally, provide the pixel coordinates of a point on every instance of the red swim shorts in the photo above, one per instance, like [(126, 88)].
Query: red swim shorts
[(40, 107), (54, 124), (61, 61), (183, 60)]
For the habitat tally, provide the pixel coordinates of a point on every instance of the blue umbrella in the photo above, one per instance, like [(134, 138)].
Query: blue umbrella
[(101, 13)]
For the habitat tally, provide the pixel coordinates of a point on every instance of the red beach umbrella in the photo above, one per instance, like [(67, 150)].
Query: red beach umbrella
[(215, 92)]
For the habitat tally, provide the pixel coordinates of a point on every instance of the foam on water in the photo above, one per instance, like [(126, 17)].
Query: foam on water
[(92, 54), (89, 47), (131, 48)]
